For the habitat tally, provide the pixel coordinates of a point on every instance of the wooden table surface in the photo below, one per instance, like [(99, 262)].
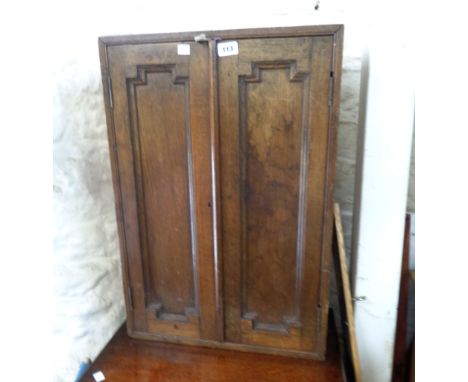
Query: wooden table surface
[(128, 360)]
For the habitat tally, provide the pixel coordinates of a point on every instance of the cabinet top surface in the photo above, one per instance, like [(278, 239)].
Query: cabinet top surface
[(295, 31)]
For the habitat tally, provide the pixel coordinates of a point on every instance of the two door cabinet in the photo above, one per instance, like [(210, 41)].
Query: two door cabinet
[(222, 148)]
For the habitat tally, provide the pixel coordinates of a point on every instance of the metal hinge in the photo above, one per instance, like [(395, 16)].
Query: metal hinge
[(109, 88), (331, 88), (130, 298)]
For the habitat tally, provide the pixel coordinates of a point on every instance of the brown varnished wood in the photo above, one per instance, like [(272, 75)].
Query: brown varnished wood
[(161, 122), (161, 137), (114, 159), (304, 30), (126, 151), (128, 360), (223, 172), (274, 128), (327, 238), (201, 109)]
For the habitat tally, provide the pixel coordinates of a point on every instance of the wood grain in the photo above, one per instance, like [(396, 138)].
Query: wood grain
[(274, 129), (163, 167), (223, 173), (161, 123)]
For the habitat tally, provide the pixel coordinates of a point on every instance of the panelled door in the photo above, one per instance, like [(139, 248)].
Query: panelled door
[(274, 139), (161, 117)]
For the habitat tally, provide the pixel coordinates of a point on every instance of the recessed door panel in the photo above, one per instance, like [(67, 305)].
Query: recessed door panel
[(274, 118), (166, 186)]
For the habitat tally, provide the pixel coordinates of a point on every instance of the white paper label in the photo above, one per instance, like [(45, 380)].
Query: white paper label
[(228, 48), (99, 376), (183, 49)]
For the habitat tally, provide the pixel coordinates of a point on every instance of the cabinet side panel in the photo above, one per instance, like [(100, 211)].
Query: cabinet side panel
[(321, 163)]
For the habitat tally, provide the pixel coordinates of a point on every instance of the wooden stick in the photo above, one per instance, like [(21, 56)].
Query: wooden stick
[(345, 299)]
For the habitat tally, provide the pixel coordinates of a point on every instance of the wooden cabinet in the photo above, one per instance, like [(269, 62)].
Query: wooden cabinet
[(223, 170)]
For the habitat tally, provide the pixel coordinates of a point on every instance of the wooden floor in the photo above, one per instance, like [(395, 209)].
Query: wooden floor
[(129, 360)]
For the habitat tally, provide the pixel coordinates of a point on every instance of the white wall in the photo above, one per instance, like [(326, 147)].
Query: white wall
[(87, 267), (87, 282), (386, 136)]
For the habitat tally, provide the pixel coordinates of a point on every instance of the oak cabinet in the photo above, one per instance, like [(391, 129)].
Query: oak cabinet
[(223, 156)]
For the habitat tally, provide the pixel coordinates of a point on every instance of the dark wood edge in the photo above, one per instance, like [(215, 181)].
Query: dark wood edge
[(216, 188), (226, 345), (400, 356), (116, 181), (295, 31), (330, 176)]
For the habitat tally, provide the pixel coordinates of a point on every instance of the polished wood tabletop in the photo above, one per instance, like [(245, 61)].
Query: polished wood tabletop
[(129, 360)]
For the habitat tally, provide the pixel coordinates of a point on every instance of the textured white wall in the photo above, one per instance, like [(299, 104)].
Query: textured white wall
[(89, 298), (87, 279)]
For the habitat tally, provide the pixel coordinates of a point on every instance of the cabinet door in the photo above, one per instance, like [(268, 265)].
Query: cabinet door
[(159, 133), (276, 182)]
